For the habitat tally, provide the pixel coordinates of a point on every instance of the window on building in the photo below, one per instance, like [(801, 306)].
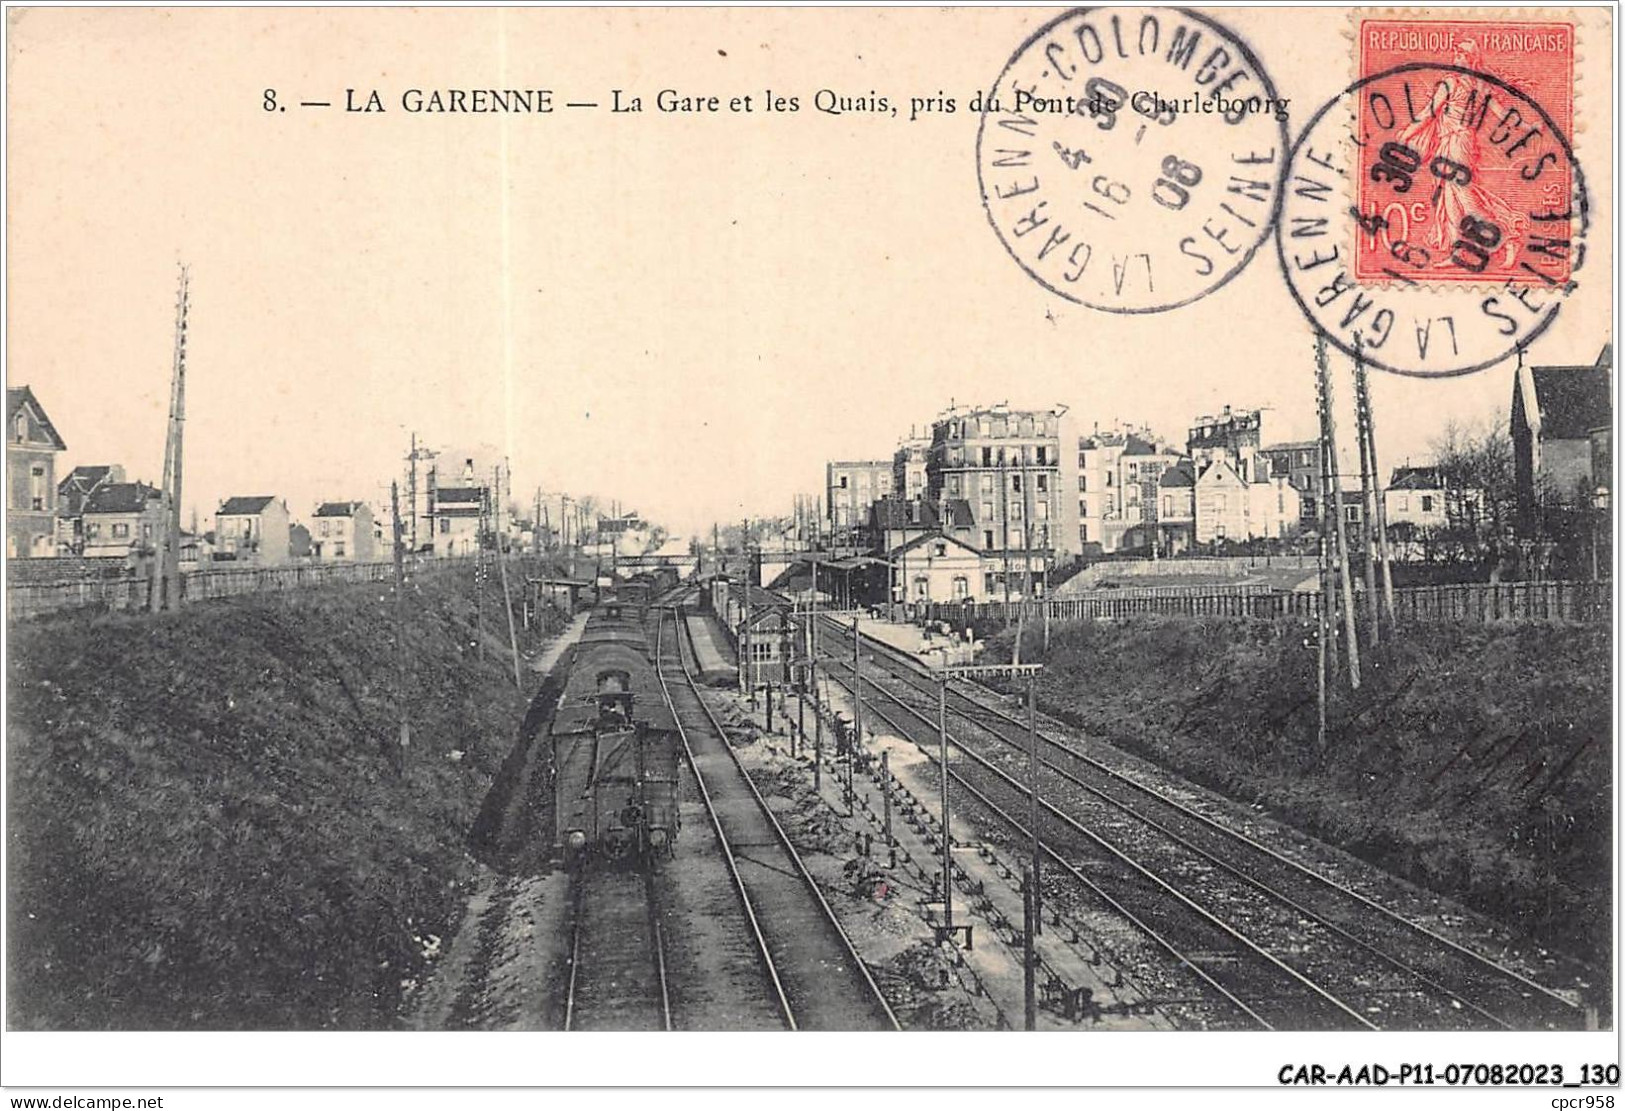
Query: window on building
[(1110, 506), (1083, 507), (93, 530), (1351, 513), (1015, 511), (1134, 472), (987, 457), (1109, 477), (843, 482), (985, 426), (37, 491), (987, 486), (146, 532), (1427, 503), (1043, 482), (939, 549), (1083, 534), (922, 589), (338, 549), (1015, 483), (1043, 456), (987, 510), (19, 430), (1402, 502), (961, 588), (1167, 505), (987, 583), (1131, 495), (121, 530), (1083, 482), (1043, 509), (445, 524), (987, 539), (322, 528)]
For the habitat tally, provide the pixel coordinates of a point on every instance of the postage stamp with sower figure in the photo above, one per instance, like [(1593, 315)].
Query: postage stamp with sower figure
[(1464, 176)]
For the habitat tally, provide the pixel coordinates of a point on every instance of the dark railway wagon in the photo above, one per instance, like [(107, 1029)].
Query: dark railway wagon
[(615, 747)]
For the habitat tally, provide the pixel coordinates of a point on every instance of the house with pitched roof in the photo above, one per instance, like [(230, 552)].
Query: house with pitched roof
[(122, 518), (936, 567), (1176, 508), (71, 494), (32, 444), (1416, 496), (1557, 414), (342, 532), (252, 529)]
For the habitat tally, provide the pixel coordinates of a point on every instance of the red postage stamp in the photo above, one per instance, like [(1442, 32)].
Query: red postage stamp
[(1466, 171)]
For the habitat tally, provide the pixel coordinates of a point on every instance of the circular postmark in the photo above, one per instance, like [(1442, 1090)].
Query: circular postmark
[(1131, 159), (1434, 218)]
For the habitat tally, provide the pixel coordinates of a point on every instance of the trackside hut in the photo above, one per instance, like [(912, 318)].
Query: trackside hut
[(938, 568)]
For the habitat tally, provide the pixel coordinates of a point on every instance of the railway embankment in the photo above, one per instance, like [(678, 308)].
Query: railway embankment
[(212, 824), (1473, 760)]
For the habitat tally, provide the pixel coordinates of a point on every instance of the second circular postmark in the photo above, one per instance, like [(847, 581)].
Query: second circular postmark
[(1131, 159), (1434, 220)]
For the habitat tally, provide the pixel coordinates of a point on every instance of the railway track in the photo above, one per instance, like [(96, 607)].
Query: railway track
[(617, 975), (1376, 965), (816, 977)]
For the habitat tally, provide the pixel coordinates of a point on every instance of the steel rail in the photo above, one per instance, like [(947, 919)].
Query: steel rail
[(876, 995), (1492, 967), (1072, 870), (780, 997), (1067, 820), (659, 938)]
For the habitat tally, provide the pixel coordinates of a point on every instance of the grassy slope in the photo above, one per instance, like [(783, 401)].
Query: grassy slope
[(1473, 760), (207, 828)]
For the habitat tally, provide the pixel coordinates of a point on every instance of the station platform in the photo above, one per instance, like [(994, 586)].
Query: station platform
[(711, 648), (934, 649)]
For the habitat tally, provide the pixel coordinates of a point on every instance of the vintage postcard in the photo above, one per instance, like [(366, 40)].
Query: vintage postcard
[(1090, 522)]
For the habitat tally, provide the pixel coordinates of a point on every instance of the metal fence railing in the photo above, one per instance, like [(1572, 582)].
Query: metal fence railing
[(132, 592), (1580, 602)]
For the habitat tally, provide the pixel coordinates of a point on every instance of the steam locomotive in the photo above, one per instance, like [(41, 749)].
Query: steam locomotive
[(615, 746)]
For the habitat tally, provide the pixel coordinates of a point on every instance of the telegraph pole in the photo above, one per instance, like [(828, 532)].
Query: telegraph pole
[(166, 591), (479, 574), (818, 696), (402, 677), (1032, 799), (1368, 534), (1351, 647), (502, 572), (1364, 393), (1004, 533)]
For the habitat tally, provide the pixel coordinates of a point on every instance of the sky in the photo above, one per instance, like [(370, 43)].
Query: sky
[(687, 314)]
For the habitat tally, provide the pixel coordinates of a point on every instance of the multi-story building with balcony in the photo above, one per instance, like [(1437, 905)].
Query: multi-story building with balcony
[(1117, 487), (1234, 437), (909, 467), (1007, 466), (851, 487), (1299, 463)]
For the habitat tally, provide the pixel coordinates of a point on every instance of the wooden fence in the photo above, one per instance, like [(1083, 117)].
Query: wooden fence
[(1580, 602), (31, 599)]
